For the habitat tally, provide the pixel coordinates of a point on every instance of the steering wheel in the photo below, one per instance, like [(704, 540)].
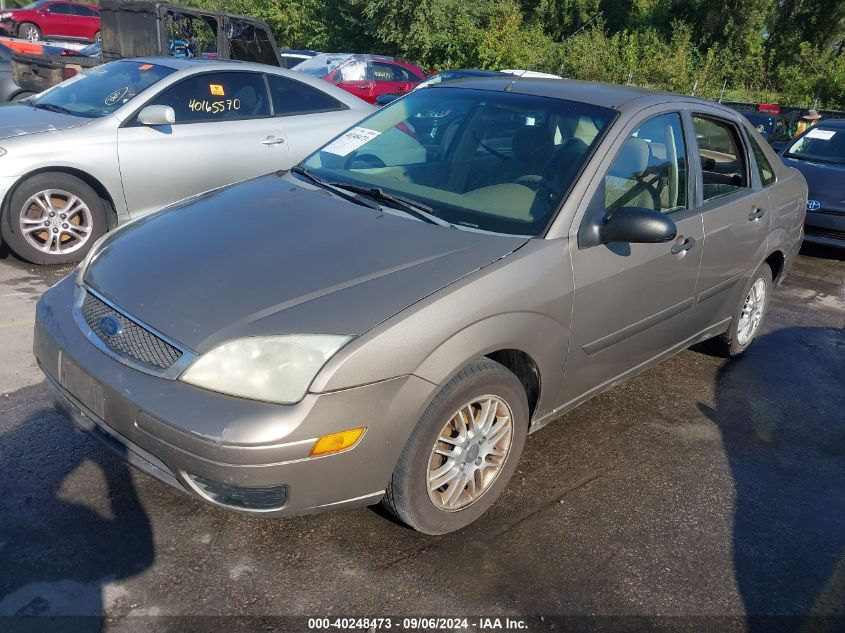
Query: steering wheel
[(364, 161)]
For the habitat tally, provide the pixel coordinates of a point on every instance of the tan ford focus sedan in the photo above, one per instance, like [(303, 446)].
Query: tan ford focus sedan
[(389, 320)]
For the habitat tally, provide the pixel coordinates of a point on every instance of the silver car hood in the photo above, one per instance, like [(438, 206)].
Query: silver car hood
[(19, 120), (271, 257)]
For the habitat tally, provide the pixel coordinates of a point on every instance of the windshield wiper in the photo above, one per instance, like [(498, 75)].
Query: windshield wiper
[(417, 209), (52, 108), (335, 189)]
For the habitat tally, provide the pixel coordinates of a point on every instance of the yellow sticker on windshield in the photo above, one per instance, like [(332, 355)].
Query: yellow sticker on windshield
[(217, 90)]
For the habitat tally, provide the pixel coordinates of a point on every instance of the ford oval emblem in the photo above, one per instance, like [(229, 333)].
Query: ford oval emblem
[(813, 205), (110, 326)]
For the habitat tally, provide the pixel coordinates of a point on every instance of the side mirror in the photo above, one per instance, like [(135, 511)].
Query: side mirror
[(636, 225), (157, 115), (384, 99)]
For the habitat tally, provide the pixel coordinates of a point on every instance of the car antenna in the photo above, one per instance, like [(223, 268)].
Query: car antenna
[(509, 87)]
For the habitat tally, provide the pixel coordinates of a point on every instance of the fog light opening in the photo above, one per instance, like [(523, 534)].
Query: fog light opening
[(336, 442)]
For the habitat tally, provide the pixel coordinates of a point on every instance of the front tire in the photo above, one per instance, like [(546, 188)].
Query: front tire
[(28, 31), (463, 451), (748, 316), (54, 218)]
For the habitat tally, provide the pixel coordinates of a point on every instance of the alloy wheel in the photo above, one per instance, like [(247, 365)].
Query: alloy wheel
[(752, 312), (469, 453), (56, 222), (31, 34)]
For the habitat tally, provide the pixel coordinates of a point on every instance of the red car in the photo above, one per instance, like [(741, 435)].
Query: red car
[(365, 76), (53, 18)]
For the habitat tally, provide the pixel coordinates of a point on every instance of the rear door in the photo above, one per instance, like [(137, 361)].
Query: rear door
[(224, 133), (86, 21), (633, 301), (736, 213)]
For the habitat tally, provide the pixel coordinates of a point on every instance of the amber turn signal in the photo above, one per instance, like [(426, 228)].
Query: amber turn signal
[(336, 442)]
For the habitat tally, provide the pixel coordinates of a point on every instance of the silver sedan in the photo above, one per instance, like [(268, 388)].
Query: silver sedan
[(134, 135)]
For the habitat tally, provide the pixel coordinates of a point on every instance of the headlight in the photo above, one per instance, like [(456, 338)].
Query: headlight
[(6, 15), (269, 368)]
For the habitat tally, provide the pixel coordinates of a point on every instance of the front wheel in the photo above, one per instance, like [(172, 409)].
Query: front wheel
[(748, 316), (30, 32), (54, 218), (462, 452)]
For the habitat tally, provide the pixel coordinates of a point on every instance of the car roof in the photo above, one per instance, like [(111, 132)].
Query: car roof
[(837, 123), (183, 63), (596, 93)]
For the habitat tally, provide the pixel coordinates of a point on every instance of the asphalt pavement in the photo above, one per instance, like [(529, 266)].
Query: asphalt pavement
[(697, 494)]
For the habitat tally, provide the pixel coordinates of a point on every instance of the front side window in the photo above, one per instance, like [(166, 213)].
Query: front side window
[(650, 170), (764, 167), (354, 70), (101, 90), (294, 97), (321, 65), (489, 161), (723, 165), (821, 144), (217, 97)]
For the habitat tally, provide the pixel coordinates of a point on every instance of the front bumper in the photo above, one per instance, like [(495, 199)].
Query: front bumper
[(181, 434), (825, 227)]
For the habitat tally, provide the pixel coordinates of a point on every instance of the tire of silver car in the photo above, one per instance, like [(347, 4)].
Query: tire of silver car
[(54, 218), (28, 31), (462, 452), (748, 316)]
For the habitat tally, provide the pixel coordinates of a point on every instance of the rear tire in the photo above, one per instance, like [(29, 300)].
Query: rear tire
[(28, 31), (54, 218), (748, 317), (486, 405)]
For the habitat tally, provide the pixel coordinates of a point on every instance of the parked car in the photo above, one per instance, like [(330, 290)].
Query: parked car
[(819, 154), (128, 137), (53, 18), (445, 75), (9, 90), (365, 76), (773, 128), (382, 325), (292, 58)]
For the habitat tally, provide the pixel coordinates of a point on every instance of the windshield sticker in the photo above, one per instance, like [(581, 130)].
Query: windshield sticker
[(145, 67), (217, 90), (822, 134), (349, 142), (214, 107), (116, 96)]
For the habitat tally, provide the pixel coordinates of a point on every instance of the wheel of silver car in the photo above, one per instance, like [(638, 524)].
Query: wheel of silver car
[(462, 451), (30, 32), (748, 316), (469, 453), (54, 219)]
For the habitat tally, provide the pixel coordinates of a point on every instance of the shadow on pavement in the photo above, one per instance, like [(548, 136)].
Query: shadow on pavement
[(784, 435), (820, 251), (56, 554)]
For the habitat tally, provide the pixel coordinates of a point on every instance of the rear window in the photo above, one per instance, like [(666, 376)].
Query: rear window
[(294, 97)]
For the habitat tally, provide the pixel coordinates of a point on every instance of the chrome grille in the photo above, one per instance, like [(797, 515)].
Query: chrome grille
[(134, 341)]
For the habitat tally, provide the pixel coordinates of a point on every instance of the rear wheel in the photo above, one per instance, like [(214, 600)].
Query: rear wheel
[(462, 452), (748, 316), (98, 37), (54, 218), (30, 32)]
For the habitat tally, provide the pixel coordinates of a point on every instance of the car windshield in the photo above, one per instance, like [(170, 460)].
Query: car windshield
[(101, 90), (322, 64), (489, 161), (820, 144)]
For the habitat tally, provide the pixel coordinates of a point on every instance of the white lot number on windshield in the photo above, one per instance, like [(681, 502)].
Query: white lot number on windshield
[(350, 141)]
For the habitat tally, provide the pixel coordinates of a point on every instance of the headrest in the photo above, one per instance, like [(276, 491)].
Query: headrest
[(632, 160), (533, 144)]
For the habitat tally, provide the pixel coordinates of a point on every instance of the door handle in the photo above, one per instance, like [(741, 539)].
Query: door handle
[(756, 215), (273, 140), (683, 247)]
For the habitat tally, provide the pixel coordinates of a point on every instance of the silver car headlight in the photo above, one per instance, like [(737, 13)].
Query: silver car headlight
[(269, 368)]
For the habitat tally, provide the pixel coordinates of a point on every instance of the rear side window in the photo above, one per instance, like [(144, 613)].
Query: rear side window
[(650, 170), (217, 97), (294, 97), (723, 165), (382, 71), (764, 167), (83, 11), (60, 9)]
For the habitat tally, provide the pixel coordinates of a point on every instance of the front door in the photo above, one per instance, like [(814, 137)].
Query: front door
[(633, 301), (224, 133)]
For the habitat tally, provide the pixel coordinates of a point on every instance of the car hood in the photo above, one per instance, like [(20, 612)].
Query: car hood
[(19, 120), (825, 181), (270, 256)]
